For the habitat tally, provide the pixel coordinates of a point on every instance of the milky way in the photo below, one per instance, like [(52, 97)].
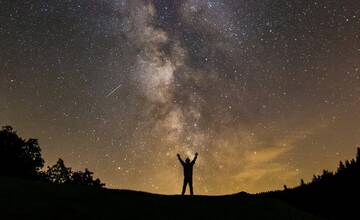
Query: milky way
[(267, 92)]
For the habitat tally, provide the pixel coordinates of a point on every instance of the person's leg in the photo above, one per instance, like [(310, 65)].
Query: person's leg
[(191, 187), (184, 187)]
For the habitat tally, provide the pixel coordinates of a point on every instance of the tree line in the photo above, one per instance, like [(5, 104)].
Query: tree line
[(330, 194), (22, 158)]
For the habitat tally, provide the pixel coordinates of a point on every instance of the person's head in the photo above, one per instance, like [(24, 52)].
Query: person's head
[(187, 160)]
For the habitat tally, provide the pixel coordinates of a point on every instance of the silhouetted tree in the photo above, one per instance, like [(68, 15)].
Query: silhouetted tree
[(86, 179), (315, 178), (347, 164), (341, 167), (326, 175), (59, 173), (19, 157), (302, 182)]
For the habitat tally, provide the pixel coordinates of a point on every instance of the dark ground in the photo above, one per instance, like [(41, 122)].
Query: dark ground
[(24, 199)]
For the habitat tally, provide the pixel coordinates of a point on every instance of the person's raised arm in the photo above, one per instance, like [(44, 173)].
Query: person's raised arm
[(193, 161), (181, 161)]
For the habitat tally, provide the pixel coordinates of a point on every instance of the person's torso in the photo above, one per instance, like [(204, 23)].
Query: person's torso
[(188, 170)]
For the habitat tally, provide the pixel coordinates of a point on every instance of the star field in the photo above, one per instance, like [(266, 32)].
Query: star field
[(268, 92)]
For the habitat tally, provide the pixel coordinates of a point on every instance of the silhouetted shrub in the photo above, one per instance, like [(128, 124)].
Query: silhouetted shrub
[(86, 179), (59, 173)]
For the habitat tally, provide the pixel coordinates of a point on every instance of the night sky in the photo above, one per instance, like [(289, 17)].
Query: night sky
[(267, 92)]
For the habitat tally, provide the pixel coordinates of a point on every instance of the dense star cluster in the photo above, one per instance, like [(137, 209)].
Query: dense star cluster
[(266, 91)]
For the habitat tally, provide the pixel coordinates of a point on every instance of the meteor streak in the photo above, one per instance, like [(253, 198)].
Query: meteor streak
[(113, 91)]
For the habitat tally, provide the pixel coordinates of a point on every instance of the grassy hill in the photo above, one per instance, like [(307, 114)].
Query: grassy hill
[(24, 199)]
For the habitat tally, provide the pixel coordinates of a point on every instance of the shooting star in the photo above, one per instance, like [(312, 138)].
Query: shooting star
[(113, 91)]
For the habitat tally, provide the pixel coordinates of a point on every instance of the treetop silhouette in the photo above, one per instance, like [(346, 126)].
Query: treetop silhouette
[(327, 194), (19, 157), (22, 158)]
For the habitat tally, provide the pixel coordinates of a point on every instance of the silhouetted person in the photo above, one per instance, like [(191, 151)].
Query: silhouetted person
[(188, 171)]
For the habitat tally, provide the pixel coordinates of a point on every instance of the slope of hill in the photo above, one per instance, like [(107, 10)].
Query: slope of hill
[(332, 195), (25, 199)]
